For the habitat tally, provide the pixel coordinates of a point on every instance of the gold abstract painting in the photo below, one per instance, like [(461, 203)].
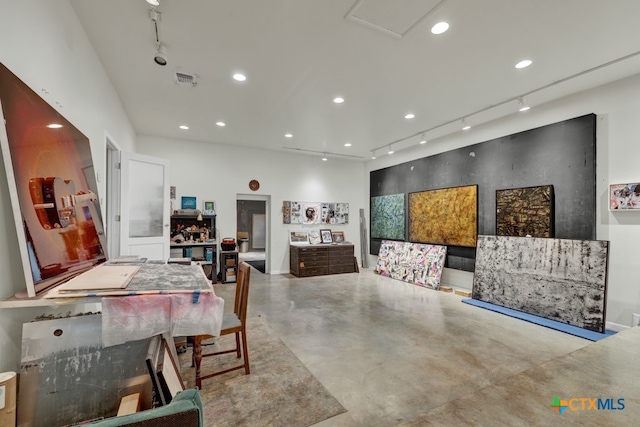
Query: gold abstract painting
[(448, 216)]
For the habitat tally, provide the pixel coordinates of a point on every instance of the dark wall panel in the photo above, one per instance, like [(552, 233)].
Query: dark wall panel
[(561, 154)]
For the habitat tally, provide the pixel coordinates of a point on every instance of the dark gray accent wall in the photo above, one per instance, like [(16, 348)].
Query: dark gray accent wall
[(561, 154)]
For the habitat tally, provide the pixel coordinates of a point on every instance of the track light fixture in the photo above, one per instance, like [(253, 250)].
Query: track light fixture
[(324, 157), (521, 105), (373, 155), (390, 150), (160, 58), (465, 126), (423, 139)]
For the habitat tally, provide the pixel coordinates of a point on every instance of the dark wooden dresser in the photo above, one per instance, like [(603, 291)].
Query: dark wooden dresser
[(318, 260)]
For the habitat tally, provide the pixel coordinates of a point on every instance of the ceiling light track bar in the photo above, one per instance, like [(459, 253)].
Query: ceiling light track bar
[(323, 153), (515, 98)]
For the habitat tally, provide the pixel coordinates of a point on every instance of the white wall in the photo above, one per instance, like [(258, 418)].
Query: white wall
[(43, 43), (221, 172), (618, 107)]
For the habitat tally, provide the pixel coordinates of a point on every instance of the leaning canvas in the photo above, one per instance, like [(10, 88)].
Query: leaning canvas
[(52, 187), (415, 263)]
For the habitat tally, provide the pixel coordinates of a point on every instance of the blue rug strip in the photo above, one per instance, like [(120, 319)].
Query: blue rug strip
[(559, 326)]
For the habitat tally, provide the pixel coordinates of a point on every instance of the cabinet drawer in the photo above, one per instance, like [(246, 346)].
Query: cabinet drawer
[(313, 271), (335, 269)]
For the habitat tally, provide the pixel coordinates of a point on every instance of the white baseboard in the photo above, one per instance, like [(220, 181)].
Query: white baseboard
[(616, 327)]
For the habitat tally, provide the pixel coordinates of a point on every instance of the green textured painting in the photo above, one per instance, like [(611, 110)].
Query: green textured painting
[(387, 217)]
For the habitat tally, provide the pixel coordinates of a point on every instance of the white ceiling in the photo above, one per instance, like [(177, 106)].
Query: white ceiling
[(379, 55)]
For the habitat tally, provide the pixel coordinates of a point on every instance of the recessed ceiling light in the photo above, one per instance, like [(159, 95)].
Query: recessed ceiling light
[(440, 28), (338, 100), (184, 127), (409, 116), (524, 63), (153, 2), (348, 144), (221, 124), (239, 77), (288, 135), (54, 126)]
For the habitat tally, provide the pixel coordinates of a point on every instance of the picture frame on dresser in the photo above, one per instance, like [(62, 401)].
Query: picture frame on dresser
[(314, 237), (337, 236), (298, 237), (326, 237)]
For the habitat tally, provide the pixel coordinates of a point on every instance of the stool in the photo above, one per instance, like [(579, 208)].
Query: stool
[(228, 266)]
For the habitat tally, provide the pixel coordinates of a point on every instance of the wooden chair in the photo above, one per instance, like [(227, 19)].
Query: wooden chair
[(232, 323)]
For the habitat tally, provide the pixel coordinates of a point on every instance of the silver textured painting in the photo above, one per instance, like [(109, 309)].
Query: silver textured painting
[(559, 279)]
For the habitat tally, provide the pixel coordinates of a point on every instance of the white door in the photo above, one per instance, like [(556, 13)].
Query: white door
[(144, 205)]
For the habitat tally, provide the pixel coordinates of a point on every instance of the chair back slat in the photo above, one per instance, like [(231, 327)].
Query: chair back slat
[(244, 273)]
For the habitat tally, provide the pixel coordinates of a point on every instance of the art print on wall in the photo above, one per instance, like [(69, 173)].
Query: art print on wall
[(448, 216), (525, 212), (314, 213), (52, 186), (415, 263), (624, 197), (387, 217)]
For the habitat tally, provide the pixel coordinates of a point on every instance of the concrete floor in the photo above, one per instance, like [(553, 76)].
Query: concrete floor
[(394, 353)]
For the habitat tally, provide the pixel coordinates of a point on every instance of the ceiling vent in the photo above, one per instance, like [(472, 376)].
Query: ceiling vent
[(185, 79)]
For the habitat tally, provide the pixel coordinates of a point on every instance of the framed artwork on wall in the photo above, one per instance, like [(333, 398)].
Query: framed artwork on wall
[(624, 197), (326, 236)]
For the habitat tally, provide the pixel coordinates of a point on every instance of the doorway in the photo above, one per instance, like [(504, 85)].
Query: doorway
[(252, 230)]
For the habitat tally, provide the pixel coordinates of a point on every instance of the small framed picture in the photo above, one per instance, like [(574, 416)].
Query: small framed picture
[(624, 197), (314, 237), (326, 236), (298, 237), (188, 202), (208, 208), (337, 236)]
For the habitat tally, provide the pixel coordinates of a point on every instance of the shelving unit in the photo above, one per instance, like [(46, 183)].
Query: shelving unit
[(228, 266), (199, 245)]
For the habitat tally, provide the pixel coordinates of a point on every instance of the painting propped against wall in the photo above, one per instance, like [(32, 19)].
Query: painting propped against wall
[(559, 279), (52, 187), (387, 217), (525, 212), (411, 262), (448, 216)]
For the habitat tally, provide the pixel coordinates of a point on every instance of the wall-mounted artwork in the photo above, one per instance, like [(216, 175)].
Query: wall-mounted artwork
[(415, 263), (624, 197), (314, 213), (560, 279), (448, 216), (387, 217), (525, 212), (52, 187)]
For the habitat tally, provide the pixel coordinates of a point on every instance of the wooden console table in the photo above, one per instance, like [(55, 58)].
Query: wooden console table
[(319, 260)]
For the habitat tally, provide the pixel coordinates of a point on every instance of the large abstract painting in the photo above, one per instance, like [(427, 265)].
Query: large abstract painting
[(559, 279), (624, 197), (525, 212), (387, 217), (52, 186), (448, 216), (411, 262)]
